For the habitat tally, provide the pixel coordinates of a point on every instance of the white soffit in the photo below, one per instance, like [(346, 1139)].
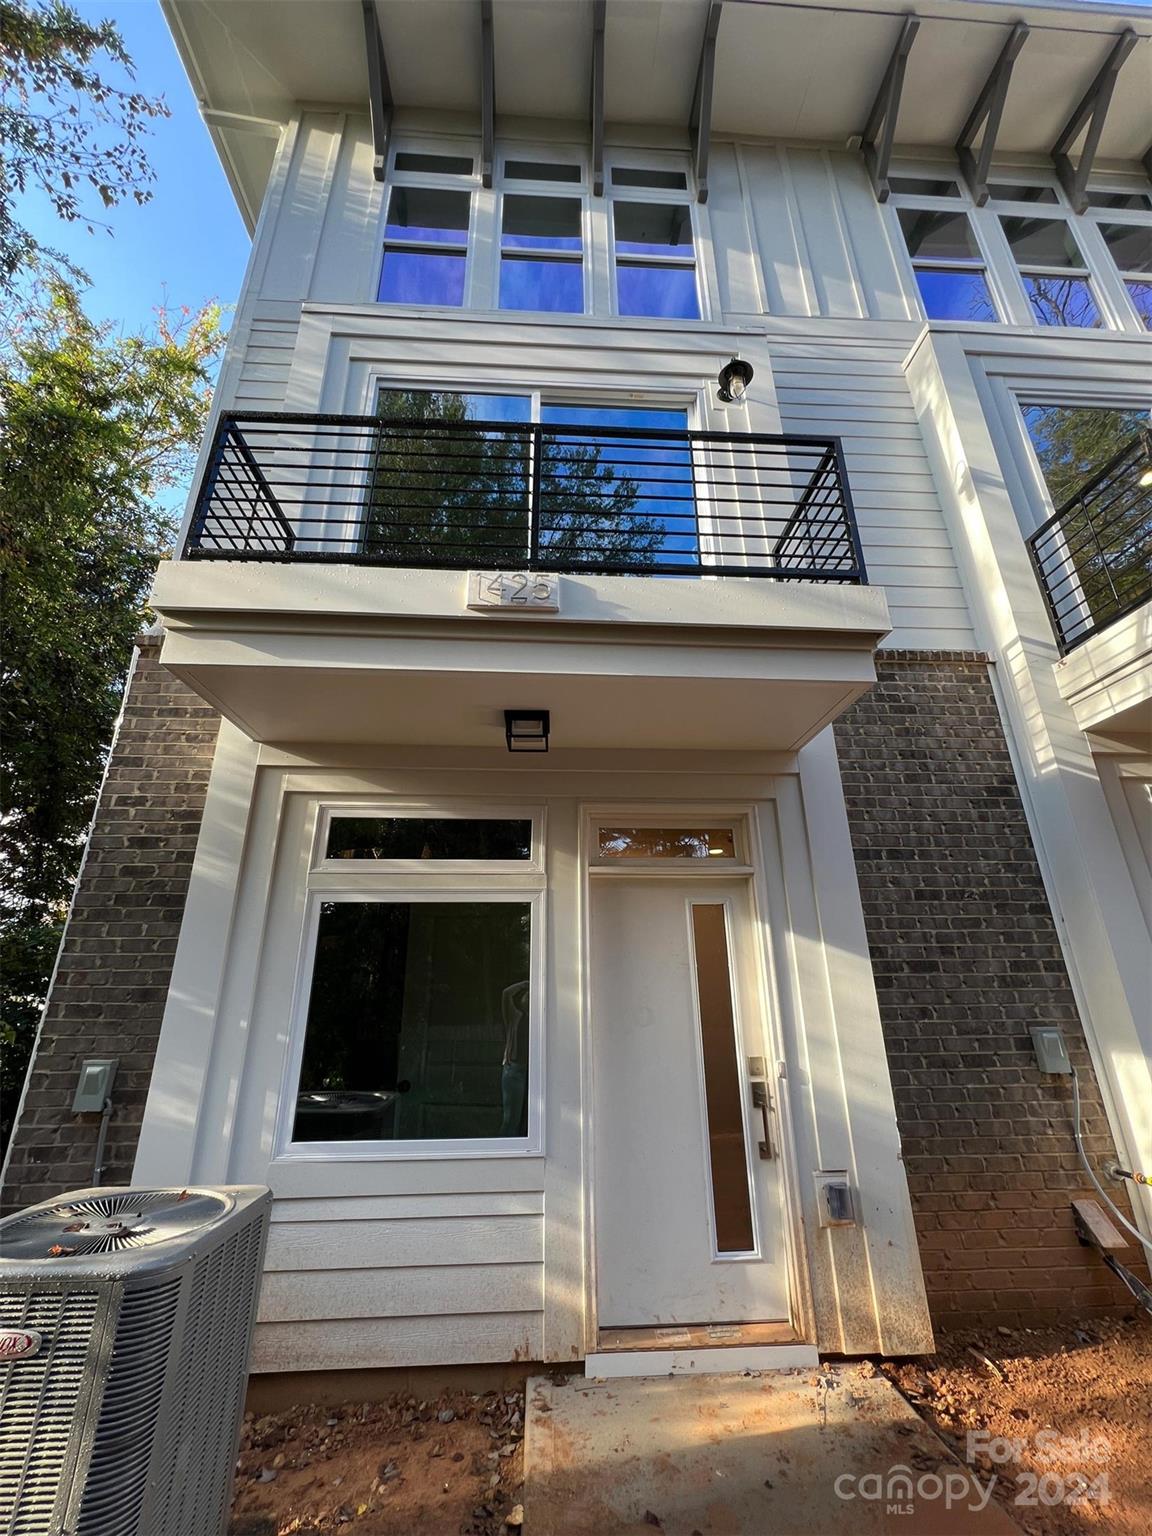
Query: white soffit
[(783, 70)]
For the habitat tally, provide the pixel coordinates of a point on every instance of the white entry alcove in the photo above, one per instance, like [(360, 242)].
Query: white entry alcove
[(395, 1248)]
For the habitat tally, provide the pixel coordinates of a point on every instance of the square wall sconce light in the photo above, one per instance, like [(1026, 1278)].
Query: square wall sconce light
[(526, 730)]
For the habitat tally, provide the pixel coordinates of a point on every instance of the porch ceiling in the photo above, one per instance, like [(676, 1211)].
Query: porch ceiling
[(782, 70), (362, 656)]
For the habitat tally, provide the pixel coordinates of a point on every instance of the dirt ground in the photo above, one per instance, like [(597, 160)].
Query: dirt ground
[(435, 1467), (1062, 1417)]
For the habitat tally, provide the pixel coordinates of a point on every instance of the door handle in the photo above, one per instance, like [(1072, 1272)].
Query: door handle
[(762, 1102)]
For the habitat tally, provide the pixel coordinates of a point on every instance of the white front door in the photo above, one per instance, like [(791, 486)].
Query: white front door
[(688, 1207)]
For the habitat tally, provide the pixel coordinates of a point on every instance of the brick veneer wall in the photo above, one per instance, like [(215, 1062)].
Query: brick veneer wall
[(116, 960), (966, 957)]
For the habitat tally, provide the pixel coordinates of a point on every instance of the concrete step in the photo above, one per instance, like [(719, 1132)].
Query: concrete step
[(795, 1452)]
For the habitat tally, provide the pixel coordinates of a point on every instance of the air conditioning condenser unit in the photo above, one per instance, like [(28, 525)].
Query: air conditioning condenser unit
[(126, 1320)]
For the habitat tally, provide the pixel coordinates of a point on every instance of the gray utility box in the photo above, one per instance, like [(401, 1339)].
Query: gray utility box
[(126, 1321)]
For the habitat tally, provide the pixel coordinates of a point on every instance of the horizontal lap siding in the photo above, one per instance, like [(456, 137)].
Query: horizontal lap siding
[(860, 395), (262, 380), (402, 1279)]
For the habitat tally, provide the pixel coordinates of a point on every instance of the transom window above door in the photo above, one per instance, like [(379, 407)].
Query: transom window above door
[(656, 840)]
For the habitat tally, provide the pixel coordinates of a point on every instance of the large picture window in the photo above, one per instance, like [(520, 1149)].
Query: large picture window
[(416, 1019), (418, 1023)]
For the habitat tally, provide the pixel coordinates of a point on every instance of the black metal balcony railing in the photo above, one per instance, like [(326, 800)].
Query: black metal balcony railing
[(495, 495), (1094, 557)]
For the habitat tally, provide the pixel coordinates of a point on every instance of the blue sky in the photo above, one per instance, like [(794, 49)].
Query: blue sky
[(189, 243)]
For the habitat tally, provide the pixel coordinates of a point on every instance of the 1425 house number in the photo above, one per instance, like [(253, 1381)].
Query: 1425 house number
[(514, 591)]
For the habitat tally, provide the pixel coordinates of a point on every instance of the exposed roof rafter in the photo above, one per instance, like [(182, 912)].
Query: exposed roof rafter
[(877, 138), (599, 21), (1092, 111), (986, 112), (379, 90), (700, 121), (487, 94)]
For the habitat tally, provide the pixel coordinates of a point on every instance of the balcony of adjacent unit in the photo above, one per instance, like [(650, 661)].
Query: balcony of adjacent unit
[(1093, 560), (406, 578)]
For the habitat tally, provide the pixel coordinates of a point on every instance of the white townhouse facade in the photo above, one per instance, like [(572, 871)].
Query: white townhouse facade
[(629, 835)]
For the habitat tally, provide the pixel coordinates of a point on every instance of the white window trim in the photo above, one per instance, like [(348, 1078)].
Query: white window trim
[(417, 880)]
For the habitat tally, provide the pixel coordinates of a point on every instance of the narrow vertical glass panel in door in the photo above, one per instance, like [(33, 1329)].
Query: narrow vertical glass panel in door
[(418, 1022), (727, 1148), (617, 490), (448, 479)]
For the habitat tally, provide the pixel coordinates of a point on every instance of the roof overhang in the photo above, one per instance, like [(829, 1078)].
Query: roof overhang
[(778, 70)]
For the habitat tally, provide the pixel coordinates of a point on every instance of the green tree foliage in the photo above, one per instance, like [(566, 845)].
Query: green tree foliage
[(1107, 529), (66, 130), (94, 430)]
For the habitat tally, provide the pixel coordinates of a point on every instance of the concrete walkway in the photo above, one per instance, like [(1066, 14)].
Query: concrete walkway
[(785, 1453)]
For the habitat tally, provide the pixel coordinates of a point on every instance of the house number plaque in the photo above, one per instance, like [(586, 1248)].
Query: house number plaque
[(514, 591)]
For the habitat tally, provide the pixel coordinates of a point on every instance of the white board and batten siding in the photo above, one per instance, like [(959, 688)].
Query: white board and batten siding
[(401, 1279)]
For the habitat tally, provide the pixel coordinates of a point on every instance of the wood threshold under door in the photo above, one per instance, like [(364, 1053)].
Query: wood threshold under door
[(696, 1336)]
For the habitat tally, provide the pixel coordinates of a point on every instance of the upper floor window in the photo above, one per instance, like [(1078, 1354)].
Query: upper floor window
[(1131, 249), (1026, 257), (425, 246), (1053, 270), (949, 265), (541, 253), (653, 244)]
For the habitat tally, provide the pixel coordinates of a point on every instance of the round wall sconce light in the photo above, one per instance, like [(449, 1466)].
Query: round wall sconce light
[(1146, 476), (734, 379)]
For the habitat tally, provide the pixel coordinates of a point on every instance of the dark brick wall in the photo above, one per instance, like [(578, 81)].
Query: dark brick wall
[(116, 960), (966, 958)]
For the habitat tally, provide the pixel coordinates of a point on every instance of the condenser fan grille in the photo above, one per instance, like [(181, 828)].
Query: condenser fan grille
[(111, 1223)]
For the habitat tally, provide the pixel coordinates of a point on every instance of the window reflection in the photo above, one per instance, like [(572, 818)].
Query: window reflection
[(667, 843), (426, 246), (950, 294), (422, 837), (1062, 300), (655, 260), (418, 1023), (541, 264)]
